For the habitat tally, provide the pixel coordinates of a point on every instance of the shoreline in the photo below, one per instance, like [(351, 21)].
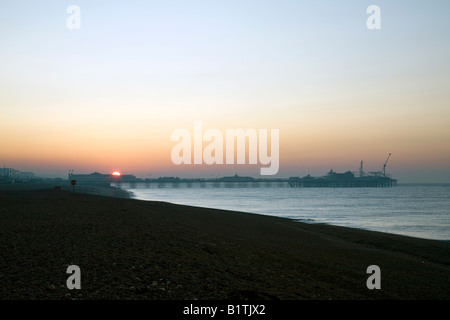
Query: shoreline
[(138, 249), (305, 221), (108, 190)]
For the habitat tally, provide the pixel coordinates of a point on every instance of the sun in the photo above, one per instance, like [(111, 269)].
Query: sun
[(116, 173)]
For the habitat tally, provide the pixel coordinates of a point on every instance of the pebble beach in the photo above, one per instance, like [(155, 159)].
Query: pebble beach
[(130, 249)]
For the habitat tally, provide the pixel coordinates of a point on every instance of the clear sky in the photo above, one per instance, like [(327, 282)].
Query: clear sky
[(108, 96)]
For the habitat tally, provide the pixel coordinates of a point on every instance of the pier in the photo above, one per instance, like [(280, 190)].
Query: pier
[(332, 180)]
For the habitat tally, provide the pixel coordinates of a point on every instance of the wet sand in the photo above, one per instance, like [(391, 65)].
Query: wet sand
[(131, 249)]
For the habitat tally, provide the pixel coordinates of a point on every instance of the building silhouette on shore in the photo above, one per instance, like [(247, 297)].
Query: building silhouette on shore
[(14, 175)]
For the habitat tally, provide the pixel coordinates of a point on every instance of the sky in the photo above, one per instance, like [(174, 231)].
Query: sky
[(108, 96)]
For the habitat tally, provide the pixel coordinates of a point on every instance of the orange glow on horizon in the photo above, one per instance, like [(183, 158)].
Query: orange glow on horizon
[(116, 174)]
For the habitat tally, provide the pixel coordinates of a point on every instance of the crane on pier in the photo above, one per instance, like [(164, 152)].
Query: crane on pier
[(383, 170), (384, 166)]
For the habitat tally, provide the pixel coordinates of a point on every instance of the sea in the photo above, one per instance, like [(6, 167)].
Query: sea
[(416, 210)]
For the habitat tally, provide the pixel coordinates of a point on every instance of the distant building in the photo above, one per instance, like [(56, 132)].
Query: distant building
[(332, 175), (10, 173), (236, 178)]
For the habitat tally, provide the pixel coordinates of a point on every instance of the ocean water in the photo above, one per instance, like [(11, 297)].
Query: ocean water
[(421, 211)]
